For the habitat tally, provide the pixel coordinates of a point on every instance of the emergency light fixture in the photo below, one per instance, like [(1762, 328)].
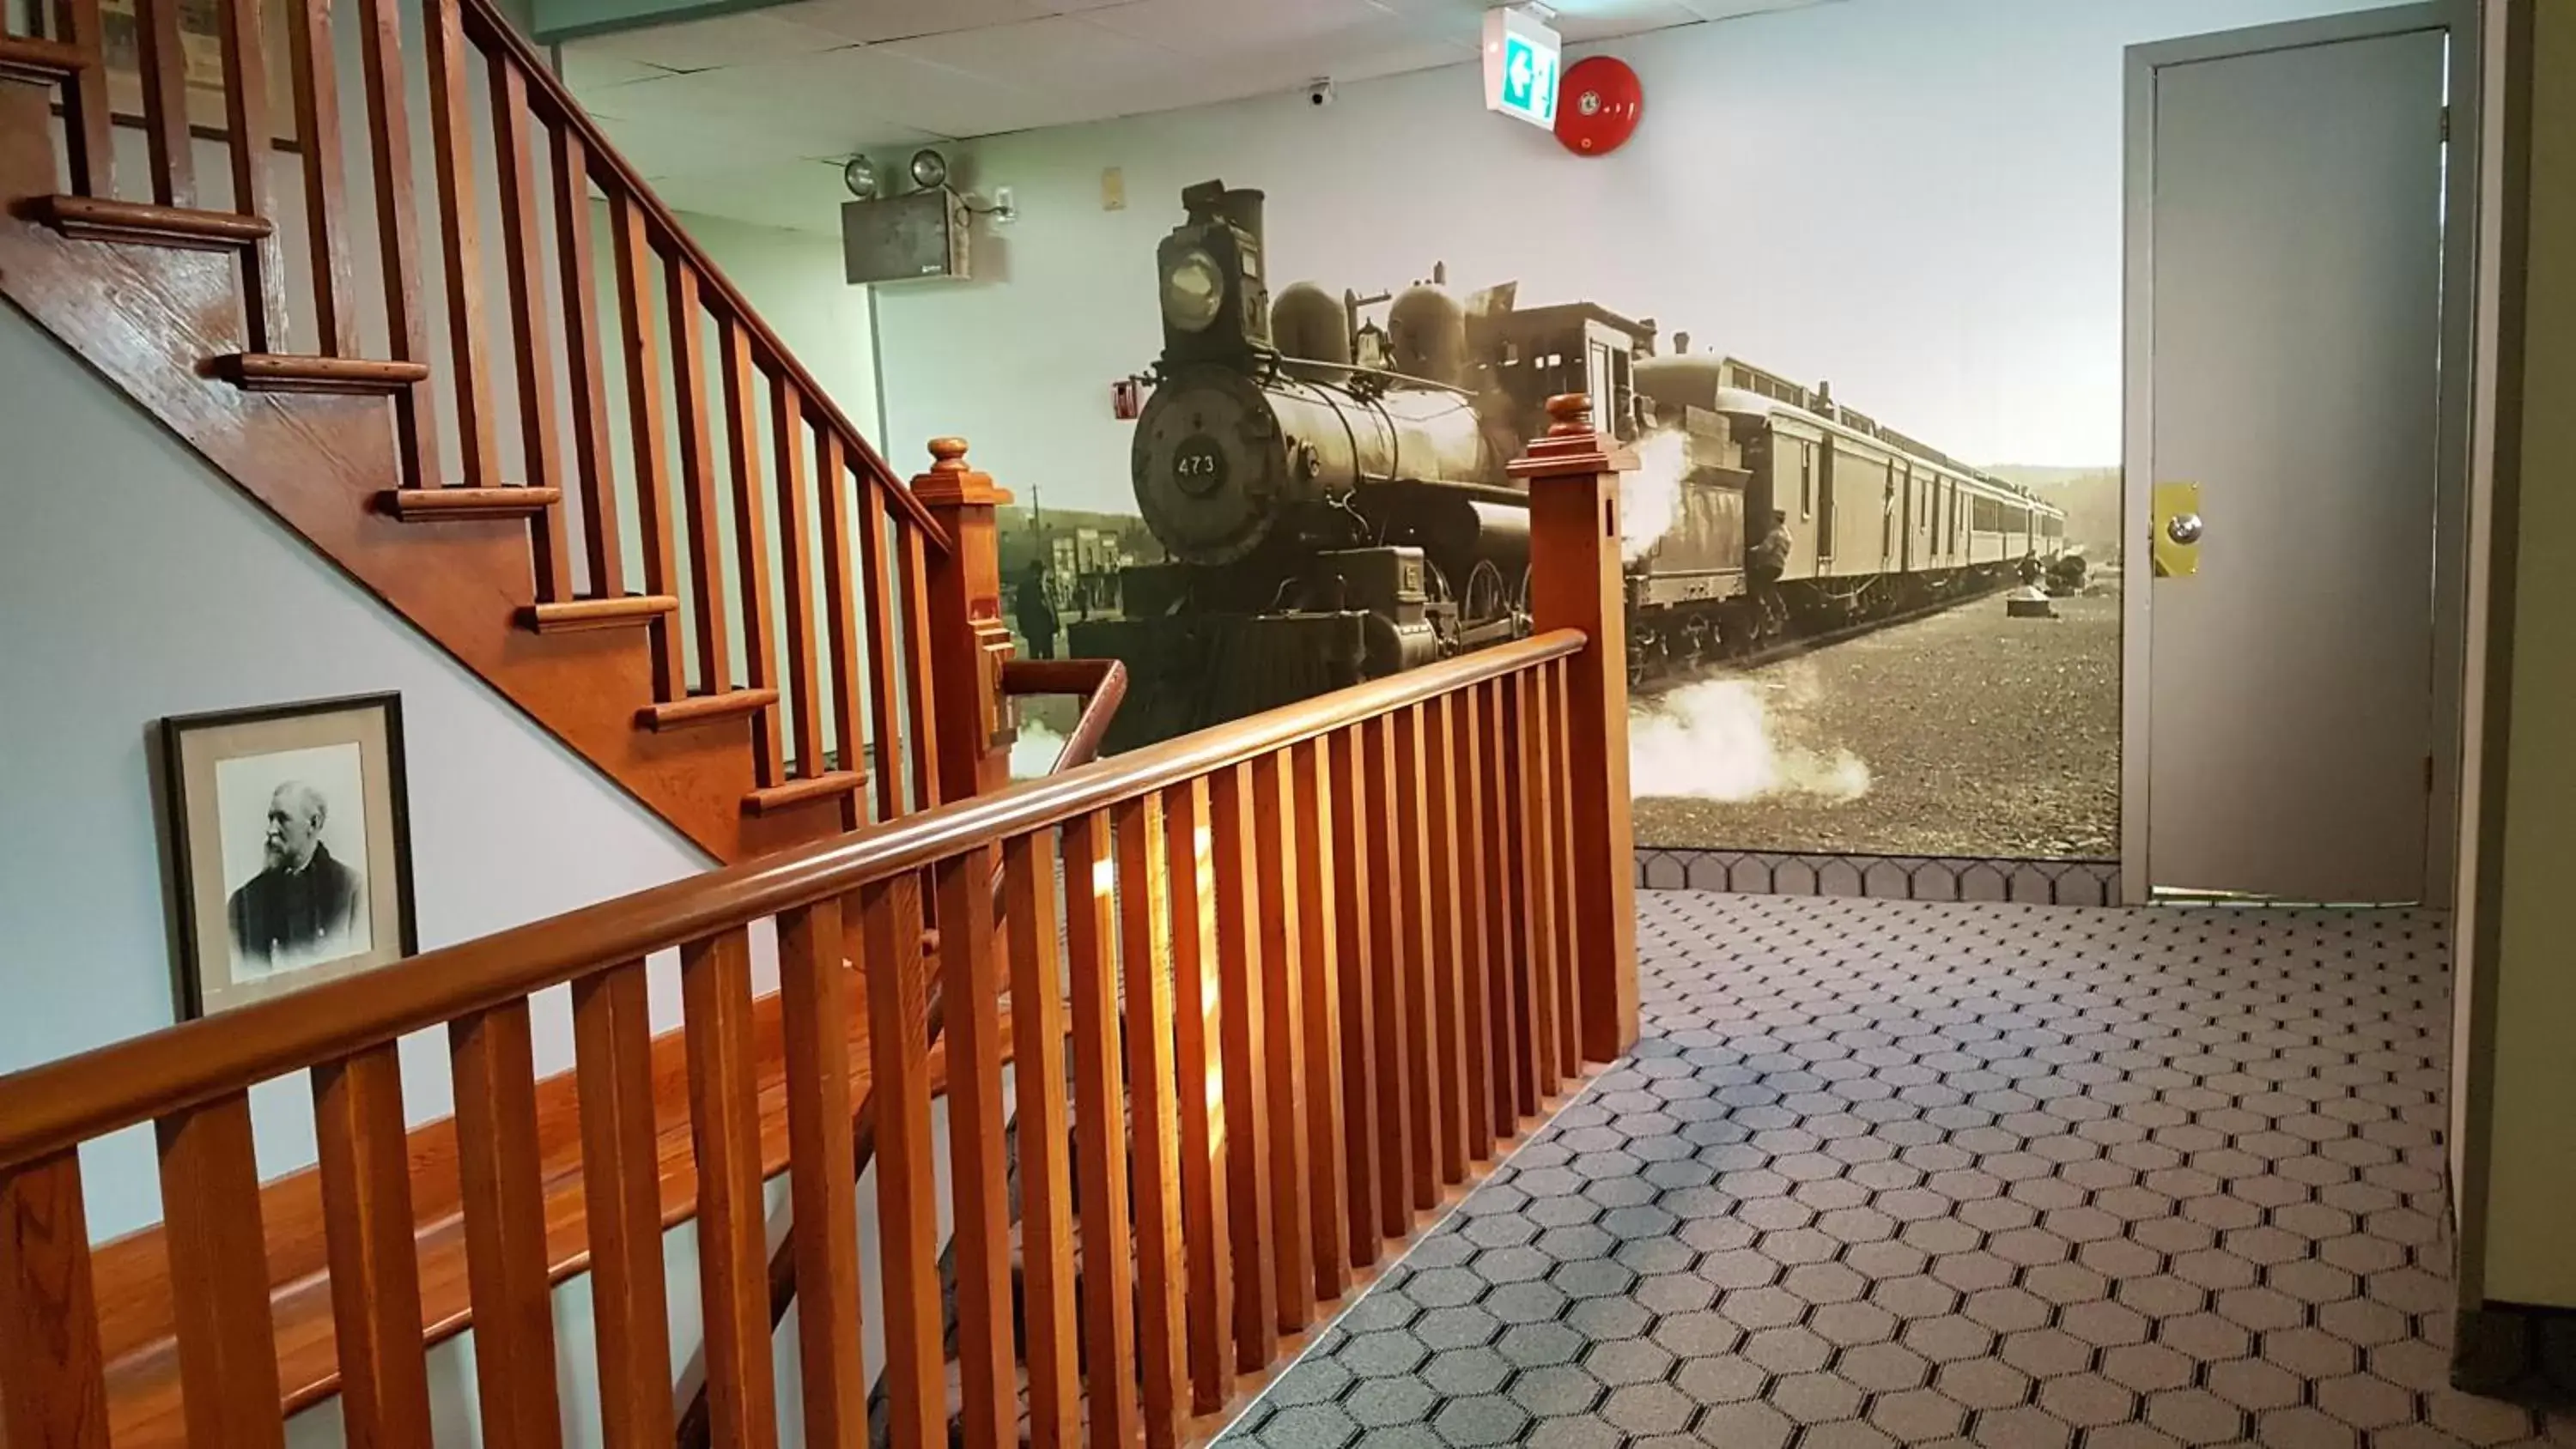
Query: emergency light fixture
[(1522, 56)]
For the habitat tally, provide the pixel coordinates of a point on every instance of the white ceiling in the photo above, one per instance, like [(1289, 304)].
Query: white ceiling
[(742, 115)]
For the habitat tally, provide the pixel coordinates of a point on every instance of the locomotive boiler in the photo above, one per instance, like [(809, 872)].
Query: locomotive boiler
[(1332, 494)]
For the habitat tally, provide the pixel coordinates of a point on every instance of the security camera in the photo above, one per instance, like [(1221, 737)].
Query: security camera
[(1319, 92)]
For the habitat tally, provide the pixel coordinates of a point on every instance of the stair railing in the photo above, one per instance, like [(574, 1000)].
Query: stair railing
[(1275, 991), (554, 348)]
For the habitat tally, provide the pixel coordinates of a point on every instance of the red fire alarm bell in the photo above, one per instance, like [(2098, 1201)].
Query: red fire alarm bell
[(1600, 100)]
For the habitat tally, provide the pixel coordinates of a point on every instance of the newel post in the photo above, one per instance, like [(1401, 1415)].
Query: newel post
[(969, 643), (1577, 582)]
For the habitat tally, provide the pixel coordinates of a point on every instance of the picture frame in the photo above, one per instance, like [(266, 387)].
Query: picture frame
[(290, 859)]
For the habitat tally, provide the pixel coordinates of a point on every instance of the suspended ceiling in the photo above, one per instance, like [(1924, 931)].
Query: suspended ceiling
[(749, 114)]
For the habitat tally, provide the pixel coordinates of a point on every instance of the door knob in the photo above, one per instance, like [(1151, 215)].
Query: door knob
[(2184, 528)]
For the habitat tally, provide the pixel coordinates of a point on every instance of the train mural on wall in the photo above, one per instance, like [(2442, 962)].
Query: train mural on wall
[(1333, 496)]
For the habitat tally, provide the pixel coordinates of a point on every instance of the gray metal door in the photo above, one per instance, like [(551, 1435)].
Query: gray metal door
[(2294, 276)]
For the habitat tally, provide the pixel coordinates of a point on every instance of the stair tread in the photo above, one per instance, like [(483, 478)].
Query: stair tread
[(830, 785), (34, 58), (468, 503), (287, 372), (705, 708), (625, 611), (95, 218)]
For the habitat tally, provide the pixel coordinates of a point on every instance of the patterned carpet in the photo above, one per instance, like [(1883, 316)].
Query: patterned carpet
[(1887, 1172)]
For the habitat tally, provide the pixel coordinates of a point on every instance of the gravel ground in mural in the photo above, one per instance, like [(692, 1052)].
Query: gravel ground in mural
[(1967, 733)]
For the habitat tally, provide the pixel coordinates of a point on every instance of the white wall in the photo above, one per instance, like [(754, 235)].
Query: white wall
[(794, 280), (1918, 199)]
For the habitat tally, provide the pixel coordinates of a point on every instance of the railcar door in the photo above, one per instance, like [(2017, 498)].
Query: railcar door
[(2297, 411)]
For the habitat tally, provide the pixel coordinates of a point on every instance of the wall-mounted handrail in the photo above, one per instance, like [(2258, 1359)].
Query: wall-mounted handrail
[(49, 1108)]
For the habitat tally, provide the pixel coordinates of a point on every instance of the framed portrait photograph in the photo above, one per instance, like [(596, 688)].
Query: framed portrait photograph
[(291, 847)]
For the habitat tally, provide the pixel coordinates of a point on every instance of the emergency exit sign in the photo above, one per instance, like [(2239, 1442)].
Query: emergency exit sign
[(1521, 60)]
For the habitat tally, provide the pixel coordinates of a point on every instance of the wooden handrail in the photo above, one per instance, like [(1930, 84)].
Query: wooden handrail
[(55, 1106), (1102, 683), (548, 94)]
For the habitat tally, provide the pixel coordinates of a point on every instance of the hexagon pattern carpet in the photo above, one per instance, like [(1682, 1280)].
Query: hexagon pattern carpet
[(1889, 1172)]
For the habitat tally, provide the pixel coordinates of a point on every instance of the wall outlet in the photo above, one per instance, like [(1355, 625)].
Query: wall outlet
[(1006, 206)]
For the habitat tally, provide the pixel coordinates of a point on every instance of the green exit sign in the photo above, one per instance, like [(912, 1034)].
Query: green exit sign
[(1521, 63)]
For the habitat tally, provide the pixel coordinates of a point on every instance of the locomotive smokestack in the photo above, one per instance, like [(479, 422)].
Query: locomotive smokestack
[(1212, 201)]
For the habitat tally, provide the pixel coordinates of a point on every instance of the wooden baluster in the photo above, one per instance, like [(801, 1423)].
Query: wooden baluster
[(1353, 810), (594, 466), (714, 662), (1198, 1027), (164, 63), (88, 133), (219, 1275), (653, 512), (1516, 1079), (805, 680), (1046, 1175), (917, 644), (724, 1130), (1570, 945), (907, 1185), (1447, 958), (849, 665), (375, 1264), (1099, 1112), (1535, 837), (1462, 782), (1318, 980), (1415, 962), (621, 1193), (970, 994), (397, 222), (876, 578), (1283, 1010), (523, 254), (814, 1018), (751, 545), (315, 62), (1385, 853), (1145, 954), (246, 123), (1232, 808), (460, 236), (494, 1066), (53, 1382)]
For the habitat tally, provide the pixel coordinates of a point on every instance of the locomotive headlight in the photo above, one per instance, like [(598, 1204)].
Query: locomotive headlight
[(1193, 292)]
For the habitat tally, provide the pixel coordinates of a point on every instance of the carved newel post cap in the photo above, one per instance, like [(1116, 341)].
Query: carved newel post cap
[(952, 483), (1569, 414), (1572, 444)]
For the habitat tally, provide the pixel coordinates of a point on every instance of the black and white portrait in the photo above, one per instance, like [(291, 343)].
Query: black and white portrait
[(290, 845), (295, 857)]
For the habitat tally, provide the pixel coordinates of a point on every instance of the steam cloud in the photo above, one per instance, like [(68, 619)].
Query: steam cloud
[(1650, 498), (1713, 741)]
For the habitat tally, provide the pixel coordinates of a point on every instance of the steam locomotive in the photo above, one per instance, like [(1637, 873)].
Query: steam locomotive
[(1333, 497)]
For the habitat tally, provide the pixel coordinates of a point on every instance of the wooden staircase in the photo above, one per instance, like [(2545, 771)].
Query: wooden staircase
[(568, 451)]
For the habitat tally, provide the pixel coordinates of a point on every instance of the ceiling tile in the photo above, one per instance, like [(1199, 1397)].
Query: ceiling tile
[(1061, 55), (878, 20), (1582, 20), (706, 44), (1235, 27), (1730, 9)]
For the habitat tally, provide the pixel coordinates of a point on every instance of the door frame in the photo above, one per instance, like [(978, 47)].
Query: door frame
[(2461, 20)]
